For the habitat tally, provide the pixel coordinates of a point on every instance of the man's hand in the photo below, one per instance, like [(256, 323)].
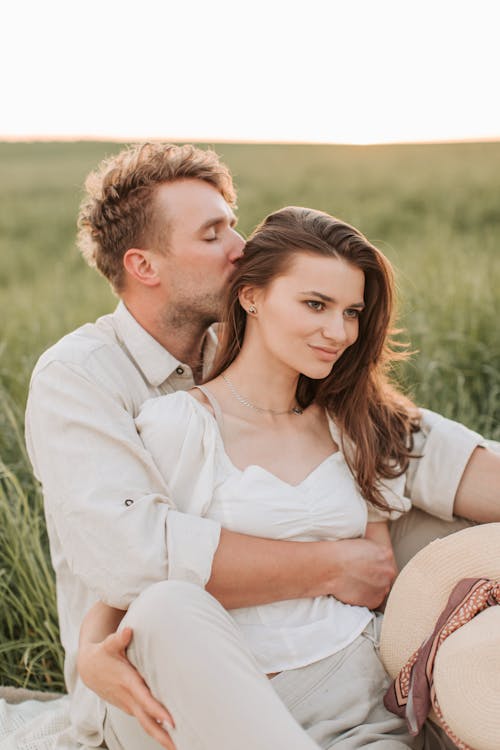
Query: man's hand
[(249, 571), (105, 669), (363, 573)]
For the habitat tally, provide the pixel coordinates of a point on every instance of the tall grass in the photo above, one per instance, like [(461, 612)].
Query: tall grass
[(434, 210), (30, 652)]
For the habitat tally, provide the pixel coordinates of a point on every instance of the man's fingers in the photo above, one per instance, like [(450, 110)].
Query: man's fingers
[(154, 729)]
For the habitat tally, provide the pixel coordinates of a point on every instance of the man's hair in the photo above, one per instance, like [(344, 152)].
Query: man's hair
[(118, 211)]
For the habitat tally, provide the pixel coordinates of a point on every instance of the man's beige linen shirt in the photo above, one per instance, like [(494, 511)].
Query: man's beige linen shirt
[(112, 527)]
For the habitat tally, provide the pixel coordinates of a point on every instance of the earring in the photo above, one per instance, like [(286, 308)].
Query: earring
[(252, 309)]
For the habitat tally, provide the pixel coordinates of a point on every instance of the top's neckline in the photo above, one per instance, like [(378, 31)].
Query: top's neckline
[(230, 463)]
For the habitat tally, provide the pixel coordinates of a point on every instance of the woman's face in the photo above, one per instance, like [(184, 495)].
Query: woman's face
[(307, 317)]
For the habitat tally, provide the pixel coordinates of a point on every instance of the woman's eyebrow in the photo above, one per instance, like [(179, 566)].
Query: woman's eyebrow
[(326, 298)]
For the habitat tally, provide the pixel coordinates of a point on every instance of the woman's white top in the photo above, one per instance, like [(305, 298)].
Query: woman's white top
[(186, 444)]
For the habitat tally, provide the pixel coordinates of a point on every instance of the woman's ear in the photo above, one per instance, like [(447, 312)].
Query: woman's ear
[(247, 296), (141, 266)]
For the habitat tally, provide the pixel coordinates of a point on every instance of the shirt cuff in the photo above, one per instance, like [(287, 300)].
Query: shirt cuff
[(191, 544), (445, 448)]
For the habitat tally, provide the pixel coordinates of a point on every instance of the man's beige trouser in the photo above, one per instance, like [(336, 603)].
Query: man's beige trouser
[(198, 665)]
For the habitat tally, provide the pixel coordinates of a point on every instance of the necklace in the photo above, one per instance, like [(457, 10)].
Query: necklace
[(294, 410)]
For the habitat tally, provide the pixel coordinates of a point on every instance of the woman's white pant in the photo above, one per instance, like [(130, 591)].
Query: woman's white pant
[(196, 663)]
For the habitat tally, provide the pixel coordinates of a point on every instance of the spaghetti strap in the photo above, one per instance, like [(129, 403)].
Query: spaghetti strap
[(215, 406)]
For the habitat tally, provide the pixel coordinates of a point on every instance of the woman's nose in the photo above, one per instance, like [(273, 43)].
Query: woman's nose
[(335, 330)]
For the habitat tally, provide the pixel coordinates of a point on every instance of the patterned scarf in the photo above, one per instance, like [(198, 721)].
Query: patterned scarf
[(412, 693)]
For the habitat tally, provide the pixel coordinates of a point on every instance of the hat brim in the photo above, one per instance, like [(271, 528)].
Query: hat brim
[(422, 588), (467, 680)]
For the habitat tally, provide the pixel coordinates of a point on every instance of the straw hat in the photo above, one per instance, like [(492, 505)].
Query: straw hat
[(467, 665)]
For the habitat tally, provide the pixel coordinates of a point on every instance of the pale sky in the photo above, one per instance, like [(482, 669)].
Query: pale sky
[(336, 71)]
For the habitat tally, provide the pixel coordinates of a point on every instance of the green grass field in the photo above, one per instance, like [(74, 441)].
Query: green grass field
[(433, 209)]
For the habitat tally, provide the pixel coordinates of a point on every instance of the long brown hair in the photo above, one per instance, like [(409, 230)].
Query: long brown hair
[(376, 421)]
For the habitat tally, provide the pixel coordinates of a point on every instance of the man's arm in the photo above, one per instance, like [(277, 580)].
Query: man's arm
[(356, 571), (113, 518), (478, 494), (453, 473), (105, 499)]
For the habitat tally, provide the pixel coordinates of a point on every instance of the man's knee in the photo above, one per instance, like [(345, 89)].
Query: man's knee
[(413, 531)]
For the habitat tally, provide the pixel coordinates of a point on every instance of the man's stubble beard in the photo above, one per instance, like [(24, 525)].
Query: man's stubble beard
[(193, 313)]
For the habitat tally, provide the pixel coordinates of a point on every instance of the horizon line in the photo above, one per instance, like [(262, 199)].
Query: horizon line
[(59, 138)]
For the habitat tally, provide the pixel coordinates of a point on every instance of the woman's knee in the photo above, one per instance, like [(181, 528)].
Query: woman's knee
[(168, 606)]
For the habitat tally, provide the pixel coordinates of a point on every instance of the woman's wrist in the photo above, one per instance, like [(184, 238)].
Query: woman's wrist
[(100, 621)]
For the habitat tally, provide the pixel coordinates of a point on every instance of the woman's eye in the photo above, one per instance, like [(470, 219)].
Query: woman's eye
[(315, 305), (211, 239), (351, 313)]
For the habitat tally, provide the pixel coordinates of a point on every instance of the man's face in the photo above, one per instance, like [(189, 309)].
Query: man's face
[(202, 246)]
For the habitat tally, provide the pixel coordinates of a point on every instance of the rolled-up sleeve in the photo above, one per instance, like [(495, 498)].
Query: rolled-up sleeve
[(192, 542), (442, 450), (108, 509), (179, 436)]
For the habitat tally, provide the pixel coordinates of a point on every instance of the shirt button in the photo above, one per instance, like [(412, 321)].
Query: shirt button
[(128, 502), (179, 370)]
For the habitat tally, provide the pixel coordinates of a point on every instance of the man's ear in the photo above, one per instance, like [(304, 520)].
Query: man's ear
[(141, 266)]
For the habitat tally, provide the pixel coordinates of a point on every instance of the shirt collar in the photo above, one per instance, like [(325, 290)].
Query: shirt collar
[(151, 358)]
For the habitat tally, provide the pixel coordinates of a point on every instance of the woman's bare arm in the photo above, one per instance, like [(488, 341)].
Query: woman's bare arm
[(105, 669)]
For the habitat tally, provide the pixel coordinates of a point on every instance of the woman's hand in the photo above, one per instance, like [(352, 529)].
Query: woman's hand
[(105, 669)]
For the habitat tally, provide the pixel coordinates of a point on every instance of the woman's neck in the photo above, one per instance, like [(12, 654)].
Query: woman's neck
[(263, 381)]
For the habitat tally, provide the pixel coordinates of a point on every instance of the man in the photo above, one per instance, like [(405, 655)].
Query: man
[(158, 222)]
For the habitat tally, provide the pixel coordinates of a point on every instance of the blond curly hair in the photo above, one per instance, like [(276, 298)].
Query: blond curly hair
[(118, 210)]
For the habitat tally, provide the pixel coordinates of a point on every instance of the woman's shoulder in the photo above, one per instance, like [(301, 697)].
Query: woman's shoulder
[(173, 414), (169, 402), (180, 435)]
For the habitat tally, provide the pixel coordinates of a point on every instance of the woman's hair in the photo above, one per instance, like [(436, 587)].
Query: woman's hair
[(376, 419), (118, 211)]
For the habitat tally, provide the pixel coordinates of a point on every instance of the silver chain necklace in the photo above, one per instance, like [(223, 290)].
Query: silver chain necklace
[(246, 402)]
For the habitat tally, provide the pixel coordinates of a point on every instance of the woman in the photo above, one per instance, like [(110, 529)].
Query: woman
[(299, 435)]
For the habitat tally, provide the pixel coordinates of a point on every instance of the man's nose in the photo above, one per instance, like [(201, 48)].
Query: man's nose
[(236, 247)]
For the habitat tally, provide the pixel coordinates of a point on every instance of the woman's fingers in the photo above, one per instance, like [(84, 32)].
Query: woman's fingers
[(105, 668), (124, 637), (118, 642), (154, 729), (141, 696)]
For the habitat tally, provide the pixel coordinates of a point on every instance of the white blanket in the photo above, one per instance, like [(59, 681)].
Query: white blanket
[(35, 725)]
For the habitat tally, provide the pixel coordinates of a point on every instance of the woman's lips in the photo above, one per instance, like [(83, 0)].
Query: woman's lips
[(325, 353)]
